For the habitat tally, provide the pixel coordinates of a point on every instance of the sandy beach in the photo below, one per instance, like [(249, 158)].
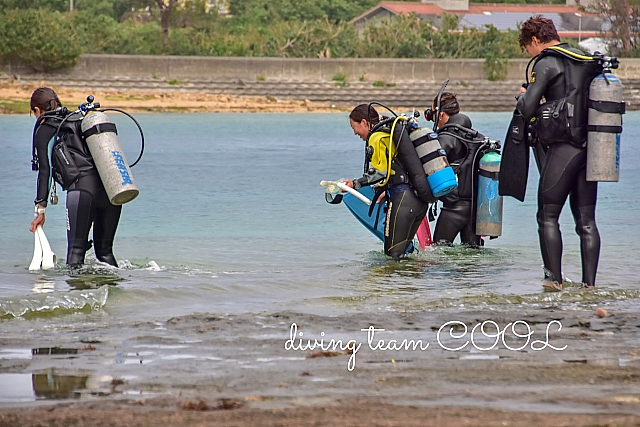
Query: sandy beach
[(14, 98), (585, 374)]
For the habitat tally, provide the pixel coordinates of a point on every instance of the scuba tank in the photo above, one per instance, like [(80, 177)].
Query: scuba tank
[(102, 140), (606, 107), (489, 203), (440, 176)]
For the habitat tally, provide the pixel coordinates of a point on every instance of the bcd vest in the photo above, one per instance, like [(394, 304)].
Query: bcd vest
[(466, 168), (70, 156), (565, 119)]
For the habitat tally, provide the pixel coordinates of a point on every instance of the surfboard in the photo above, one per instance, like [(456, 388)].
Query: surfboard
[(360, 210)]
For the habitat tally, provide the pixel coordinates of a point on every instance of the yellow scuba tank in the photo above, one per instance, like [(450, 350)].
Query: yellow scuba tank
[(440, 176), (606, 107), (102, 139)]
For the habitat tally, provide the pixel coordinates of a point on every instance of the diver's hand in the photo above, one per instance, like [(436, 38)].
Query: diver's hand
[(348, 183), (38, 220)]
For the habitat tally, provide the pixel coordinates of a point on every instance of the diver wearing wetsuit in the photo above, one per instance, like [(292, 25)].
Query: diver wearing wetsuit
[(87, 201), (407, 190), (563, 172), (455, 215)]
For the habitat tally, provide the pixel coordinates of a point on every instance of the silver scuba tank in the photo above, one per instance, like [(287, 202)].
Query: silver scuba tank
[(606, 106), (440, 176), (102, 140)]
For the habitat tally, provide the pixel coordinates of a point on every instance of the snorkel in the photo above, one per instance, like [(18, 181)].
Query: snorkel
[(437, 111)]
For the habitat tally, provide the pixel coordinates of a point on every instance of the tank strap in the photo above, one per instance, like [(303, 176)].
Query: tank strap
[(567, 54), (100, 128), (491, 175), (607, 106), (433, 155), (605, 129)]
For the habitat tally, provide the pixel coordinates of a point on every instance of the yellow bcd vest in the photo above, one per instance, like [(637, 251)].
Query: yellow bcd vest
[(382, 146)]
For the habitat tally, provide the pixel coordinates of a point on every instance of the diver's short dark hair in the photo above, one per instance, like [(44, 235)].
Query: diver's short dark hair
[(448, 103), (540, 27)]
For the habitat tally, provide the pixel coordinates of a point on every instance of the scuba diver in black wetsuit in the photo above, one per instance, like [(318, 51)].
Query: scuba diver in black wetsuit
[(563, 171), (87, 201), (457, 210), (405, 186)]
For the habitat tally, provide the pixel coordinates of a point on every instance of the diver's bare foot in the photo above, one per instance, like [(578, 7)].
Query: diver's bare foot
[(551, 286)]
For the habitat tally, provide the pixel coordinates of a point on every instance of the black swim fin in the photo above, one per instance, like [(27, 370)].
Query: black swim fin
[(514, 166)]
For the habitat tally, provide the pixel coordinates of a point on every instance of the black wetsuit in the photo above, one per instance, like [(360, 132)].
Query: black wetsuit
[(455, 215), (408, 196), (563, 175), (87, 201)]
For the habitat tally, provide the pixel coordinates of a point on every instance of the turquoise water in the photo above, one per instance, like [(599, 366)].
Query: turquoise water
[(231, 219)]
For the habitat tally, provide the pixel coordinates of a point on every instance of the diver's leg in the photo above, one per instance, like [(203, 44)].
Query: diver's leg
[(550, 241), (470, 238), (467, 230), (80, 213), (447, 226), (404, 215), (104, 231), (582, 200), (556, 180)]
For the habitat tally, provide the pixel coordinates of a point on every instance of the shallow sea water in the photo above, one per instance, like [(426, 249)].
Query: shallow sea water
[(231, 220)]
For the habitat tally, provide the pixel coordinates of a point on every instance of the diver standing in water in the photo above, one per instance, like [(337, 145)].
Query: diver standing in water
[(87, 200), (457, 210), (563, 172), (404, 185)]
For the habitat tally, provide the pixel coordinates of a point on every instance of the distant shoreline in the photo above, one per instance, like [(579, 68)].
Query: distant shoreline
[(14, 99)]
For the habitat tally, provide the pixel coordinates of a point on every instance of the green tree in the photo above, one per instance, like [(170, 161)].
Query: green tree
[(268, 11), (623, 19), (39, 39), (51, 5)]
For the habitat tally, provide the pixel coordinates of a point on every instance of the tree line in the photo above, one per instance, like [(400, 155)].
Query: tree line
[(46, 35)]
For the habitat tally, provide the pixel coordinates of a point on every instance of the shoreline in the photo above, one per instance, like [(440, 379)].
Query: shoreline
[(14, 99), (228, 370)]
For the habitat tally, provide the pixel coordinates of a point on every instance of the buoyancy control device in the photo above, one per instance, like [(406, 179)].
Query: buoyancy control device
[(593, 110), (440, 178), (85, 141), (478, 177)]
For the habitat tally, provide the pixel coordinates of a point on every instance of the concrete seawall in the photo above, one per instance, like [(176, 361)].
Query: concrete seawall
[(311, 70), (398, 82)]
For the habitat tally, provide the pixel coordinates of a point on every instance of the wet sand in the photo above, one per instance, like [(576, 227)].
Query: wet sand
[(241, 370)]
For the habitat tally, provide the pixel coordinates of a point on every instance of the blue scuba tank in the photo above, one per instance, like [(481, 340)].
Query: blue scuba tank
[(489, 204), (440, 176)]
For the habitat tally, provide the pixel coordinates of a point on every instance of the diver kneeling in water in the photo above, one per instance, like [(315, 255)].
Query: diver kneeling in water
[(404, 186), (456, 215), (87, 200)]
